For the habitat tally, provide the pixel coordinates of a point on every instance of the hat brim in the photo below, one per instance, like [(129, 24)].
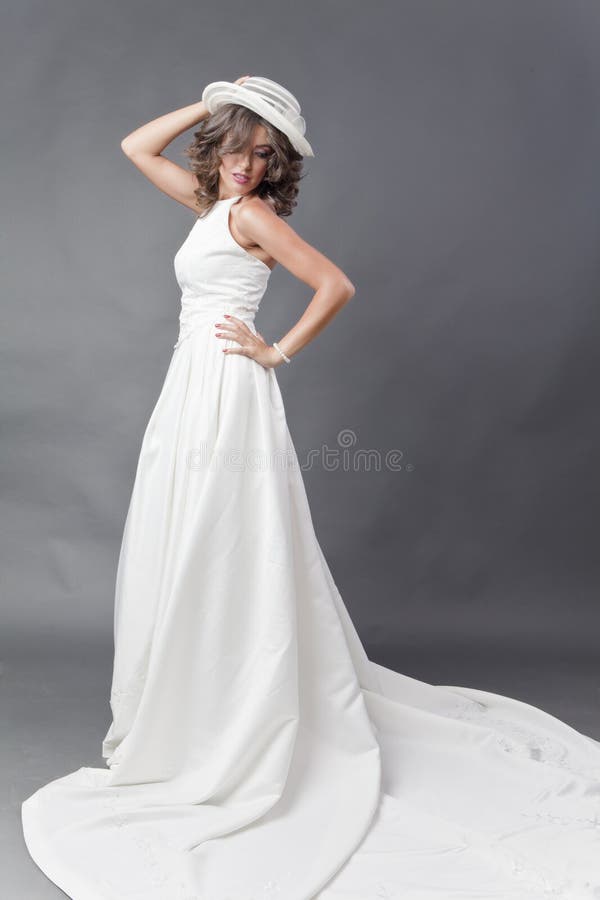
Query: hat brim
[(217, 93)]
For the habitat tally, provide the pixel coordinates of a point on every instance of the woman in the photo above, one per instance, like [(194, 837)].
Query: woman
[(255, 751)]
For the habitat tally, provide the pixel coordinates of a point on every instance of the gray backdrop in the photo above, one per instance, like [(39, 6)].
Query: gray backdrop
[(456, 182)]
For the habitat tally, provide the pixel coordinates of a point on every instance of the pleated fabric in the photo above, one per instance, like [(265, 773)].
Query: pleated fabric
[(254, 751)]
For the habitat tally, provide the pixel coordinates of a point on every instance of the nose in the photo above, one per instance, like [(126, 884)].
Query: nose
[(244, 161)]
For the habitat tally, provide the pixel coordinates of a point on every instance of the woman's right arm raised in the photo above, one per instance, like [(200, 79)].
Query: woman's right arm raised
[(144, 146)]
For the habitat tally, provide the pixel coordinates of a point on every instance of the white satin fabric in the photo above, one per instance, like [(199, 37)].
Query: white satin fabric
[(255, 752)]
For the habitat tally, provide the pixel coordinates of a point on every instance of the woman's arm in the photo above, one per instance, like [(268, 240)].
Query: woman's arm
[(145, 145), (259, 224)]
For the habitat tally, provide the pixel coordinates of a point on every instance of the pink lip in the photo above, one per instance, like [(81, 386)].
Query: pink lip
[(243, 178)]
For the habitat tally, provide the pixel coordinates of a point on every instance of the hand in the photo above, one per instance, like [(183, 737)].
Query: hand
[(242, 79), (252, 345)]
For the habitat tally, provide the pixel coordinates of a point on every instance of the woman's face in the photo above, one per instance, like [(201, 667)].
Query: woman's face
[(242, 172)]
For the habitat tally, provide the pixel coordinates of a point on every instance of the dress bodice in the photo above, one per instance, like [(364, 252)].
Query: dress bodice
[(217, 274)]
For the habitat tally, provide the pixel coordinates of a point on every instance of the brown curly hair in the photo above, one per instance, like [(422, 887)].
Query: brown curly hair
[(228, 130)]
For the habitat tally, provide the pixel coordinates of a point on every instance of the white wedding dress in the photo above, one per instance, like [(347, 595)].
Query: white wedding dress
[(255, 752)]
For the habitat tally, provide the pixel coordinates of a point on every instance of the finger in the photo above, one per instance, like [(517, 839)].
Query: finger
[(232, 323), (228, 329), (234, 319), (240, 338)]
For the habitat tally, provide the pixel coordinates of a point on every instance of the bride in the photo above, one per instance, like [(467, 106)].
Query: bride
[(254, 751)]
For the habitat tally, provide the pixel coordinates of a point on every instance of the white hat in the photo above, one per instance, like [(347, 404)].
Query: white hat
[(267, 98)]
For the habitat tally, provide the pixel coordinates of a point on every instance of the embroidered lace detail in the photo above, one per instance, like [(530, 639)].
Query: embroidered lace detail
[(383, 892), (125, 695), (131, 689), (521, 741), (539, 883), (527, 878), (566, 820), (517, 739), (165, 881)]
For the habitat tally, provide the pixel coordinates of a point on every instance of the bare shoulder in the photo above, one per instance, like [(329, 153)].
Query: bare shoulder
[(249, 207), (252, 217), (260, 230)]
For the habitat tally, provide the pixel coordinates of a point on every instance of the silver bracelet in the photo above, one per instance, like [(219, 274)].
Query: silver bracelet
[(280, 351)]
